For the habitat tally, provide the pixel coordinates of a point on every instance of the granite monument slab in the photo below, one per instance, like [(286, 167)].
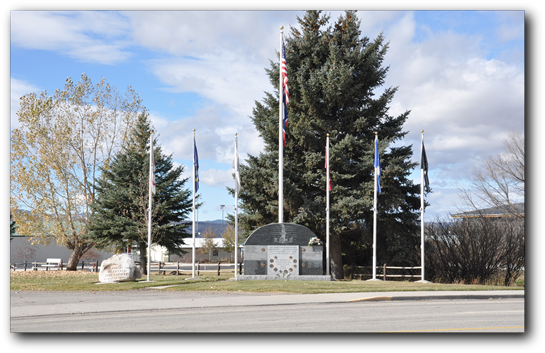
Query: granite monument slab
[(281, 251)]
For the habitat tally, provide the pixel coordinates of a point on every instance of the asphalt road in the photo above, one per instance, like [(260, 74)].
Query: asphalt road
[(243, 312)]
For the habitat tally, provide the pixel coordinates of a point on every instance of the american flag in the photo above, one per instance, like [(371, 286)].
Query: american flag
[(285, 91)]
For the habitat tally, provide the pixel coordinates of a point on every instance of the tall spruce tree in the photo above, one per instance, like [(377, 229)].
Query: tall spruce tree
[(121, 203), (334, 74)]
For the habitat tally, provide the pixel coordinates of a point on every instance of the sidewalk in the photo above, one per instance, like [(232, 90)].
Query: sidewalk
[(74, 303)]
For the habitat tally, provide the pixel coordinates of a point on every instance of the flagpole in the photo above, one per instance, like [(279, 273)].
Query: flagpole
[(280, 138), (149, 209), (327, 209), (422, 212), (236, 203), (193, 227), (375, 222), (375, 214), (422, 171)]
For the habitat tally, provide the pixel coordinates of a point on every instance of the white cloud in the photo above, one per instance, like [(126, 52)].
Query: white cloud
[(245, 34), (462, 100), (512, 26), (227, 80), (87, 36), (215, 136), (217, 178)]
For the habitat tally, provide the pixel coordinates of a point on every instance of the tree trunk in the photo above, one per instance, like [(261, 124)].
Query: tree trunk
[(77, 252), (143, 258), (74, 258), (336, 260)]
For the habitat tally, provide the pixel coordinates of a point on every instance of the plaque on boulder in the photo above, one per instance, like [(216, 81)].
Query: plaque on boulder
[(281, 251), (118, 268)]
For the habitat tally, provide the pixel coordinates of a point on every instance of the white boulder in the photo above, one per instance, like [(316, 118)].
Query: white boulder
[(118, 268)]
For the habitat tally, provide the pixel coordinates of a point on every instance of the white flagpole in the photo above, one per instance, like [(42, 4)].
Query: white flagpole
[(422, 279), (327, 208), (375, 223), (375, 220), (149, 209), (280, 139), (193, 228), (422, 208), (237, 185)]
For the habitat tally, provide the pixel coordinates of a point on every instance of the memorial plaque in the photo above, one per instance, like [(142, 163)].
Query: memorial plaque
[(283, 260), (255, 259), (312, 260)]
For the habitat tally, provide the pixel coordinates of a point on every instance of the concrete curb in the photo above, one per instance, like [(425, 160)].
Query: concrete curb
[(441, 297)]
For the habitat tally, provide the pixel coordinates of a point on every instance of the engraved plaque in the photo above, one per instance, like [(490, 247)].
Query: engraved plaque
[(283, 260)]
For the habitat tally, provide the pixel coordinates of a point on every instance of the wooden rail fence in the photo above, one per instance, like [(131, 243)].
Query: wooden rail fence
[(158, 267), (35, 266), (384, 273)]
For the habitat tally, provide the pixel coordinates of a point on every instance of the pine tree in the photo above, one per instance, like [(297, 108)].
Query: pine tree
[(334, 74), (121, 204)]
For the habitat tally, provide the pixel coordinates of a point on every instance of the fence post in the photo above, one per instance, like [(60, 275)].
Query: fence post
[(82, 265), (35, 265), (15, 266), (384, 272), (198, 268), (62, 267), (219, 262), (25, 265), (177, 268)]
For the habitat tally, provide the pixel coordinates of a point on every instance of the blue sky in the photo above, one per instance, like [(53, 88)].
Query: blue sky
[(461, 73)]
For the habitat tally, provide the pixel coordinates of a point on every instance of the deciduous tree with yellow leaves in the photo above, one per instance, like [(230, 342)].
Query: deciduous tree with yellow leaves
[(56, 154)]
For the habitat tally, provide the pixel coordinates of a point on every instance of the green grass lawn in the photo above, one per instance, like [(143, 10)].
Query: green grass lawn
[(87, 281)]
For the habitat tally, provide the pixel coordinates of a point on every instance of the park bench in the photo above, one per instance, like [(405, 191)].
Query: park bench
[(53, 263)]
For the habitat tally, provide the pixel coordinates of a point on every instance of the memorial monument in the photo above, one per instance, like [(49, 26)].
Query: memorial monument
[(281, 251), (118, 268)]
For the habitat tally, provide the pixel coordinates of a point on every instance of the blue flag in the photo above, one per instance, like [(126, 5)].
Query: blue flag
[(377, 165), (196, 165)]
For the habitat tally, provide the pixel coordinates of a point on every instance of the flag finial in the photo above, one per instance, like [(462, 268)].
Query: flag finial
[(327, 135), (422, 131), (281, 28), (376, 133)]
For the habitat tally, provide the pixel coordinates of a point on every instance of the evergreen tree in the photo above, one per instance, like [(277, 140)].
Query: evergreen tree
[(121, 204), (334, 74)]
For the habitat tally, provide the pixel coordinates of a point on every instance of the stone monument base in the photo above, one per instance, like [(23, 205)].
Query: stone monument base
[(288, 278)]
